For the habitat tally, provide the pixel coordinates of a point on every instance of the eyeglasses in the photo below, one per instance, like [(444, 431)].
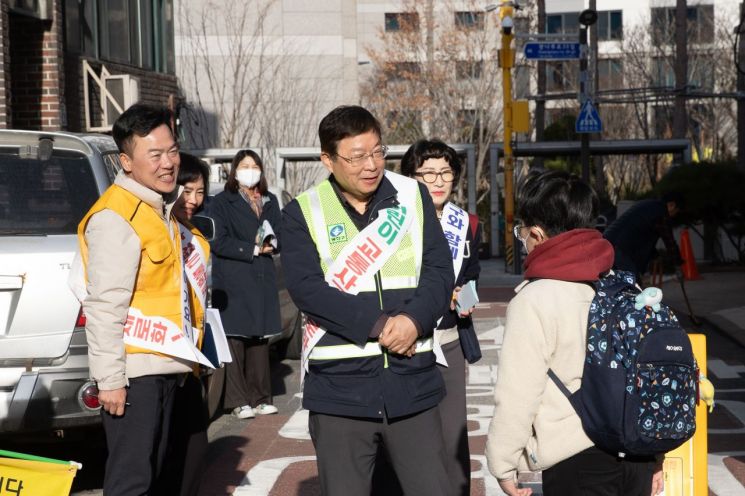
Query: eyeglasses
[(516, 230), (357, 160), (430, 177)]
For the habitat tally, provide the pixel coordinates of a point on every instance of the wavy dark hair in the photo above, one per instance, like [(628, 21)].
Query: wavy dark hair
[(191, 169), (232, 184), (423, 150), (556, 201)]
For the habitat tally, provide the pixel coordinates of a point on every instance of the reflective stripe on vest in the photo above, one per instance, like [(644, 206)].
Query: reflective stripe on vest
[(353, 351)]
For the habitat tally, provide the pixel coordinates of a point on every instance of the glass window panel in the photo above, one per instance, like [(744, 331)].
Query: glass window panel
[(616, 25), (88, 28), (603, 32), (73, 42), (705, 23), (168, 35), (553, 23), (134, 30), (147, 34), (117, 34), (391, 23), (571, 22)]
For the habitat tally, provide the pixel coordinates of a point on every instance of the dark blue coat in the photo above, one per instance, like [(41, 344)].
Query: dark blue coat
[(244, 287), (365, 387), (469, 271)]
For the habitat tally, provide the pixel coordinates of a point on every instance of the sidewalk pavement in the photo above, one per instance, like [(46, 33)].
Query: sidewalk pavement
[(717, 299)]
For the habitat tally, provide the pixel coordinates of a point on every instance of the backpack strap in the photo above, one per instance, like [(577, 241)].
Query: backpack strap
[(564, 390)]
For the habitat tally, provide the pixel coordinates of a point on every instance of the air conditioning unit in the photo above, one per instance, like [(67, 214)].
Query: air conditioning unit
[(124, 89)]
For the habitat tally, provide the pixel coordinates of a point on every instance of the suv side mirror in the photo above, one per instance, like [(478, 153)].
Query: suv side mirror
[(206, 226)]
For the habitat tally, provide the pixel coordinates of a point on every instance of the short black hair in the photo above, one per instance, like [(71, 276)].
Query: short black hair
[(423, 150), (232, 184), (345, 121), (556, 201), (138, 120), (676, 197), (191, 169)]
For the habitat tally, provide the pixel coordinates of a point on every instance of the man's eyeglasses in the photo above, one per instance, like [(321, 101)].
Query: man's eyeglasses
[(357, 160), (516, 230), (430, 177)]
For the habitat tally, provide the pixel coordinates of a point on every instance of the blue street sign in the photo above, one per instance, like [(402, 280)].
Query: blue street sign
[(564, 50), (588, 120)]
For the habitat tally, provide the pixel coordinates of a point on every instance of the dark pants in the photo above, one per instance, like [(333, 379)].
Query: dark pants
[(188, 439), (346, 449), (137, 440), (247, 379), (593, 472), (452, 410)]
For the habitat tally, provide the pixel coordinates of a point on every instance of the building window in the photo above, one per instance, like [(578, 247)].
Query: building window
[(469, 20), (610, 25), (700, 24), (134, 32), (700, 75), (610, 74), (400, 71), (561, 76), (565, 23), (401, 21), (468, 69)]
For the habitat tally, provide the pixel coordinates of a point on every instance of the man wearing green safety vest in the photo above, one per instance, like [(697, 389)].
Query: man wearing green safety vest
[(367, 262)]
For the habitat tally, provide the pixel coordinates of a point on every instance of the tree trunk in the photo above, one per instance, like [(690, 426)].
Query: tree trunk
[(680, 121)]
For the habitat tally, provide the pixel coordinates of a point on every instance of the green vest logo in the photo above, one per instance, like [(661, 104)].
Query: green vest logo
[(337, 233)]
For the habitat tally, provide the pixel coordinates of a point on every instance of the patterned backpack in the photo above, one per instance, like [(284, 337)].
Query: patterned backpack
[(639, 385)]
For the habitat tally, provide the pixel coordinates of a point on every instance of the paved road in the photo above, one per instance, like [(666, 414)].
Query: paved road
[(273, 455)]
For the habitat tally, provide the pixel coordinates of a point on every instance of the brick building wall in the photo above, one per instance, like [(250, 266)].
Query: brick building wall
[(154, 88), (5, 121), (36, 71)]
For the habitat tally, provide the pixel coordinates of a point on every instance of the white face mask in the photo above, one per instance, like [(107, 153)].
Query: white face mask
[(248, 177)]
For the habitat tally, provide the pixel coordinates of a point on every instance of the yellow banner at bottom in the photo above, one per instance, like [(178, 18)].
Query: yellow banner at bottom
[(25, 477)]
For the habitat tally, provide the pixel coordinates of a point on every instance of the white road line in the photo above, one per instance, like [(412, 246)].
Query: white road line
[(721, 480), (491, 486), (725, 371), (260, 480), (296, 426)]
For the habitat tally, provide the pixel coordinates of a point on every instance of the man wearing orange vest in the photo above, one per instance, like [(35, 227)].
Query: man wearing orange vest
[(143, 319)]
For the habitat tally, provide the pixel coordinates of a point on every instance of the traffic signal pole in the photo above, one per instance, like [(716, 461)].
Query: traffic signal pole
[(506, 61)]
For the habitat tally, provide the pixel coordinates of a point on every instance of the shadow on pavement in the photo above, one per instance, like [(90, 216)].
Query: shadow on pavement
[(224, 456)]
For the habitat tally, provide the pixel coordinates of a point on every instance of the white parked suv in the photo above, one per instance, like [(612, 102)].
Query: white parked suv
[(48, 181)]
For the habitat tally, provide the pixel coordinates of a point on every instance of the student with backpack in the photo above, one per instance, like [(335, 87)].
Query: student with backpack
[(535, 427)]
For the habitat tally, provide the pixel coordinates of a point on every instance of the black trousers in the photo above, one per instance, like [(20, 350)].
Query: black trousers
[(188, 442), (593, 472), (346, 449), (137, 440), (452, 410), (247, 379)]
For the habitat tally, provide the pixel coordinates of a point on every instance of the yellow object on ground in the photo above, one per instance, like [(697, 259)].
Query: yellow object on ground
[(26, 474), (685, 468)]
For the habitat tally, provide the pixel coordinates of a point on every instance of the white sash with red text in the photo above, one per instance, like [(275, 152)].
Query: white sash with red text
[(374, 245)]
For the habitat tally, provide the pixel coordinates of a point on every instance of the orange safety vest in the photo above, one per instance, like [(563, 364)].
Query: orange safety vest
[(157, 290)]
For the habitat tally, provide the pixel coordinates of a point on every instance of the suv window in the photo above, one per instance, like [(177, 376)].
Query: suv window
[(113, 164), (45, 197)]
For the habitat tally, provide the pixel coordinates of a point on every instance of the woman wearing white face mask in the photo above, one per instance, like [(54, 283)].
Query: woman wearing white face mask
[(244, 285)]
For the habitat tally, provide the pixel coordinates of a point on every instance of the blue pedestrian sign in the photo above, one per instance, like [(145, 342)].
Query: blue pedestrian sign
[(588, 120), (543, 50)]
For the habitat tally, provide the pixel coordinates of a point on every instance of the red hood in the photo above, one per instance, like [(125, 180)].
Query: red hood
[(576, 255)]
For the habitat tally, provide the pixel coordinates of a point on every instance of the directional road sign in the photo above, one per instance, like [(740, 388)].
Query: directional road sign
[(588, 120), (559, 50)]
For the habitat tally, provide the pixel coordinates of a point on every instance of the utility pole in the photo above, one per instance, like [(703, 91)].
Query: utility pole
[(540, 103), (680, 120), (586, 18), (740, 64), (506, 62)]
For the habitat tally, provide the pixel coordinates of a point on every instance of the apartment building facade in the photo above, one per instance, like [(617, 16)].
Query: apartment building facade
[(76, 64)]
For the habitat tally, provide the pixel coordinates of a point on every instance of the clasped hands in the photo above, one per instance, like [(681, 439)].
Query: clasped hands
[(399, 335)]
